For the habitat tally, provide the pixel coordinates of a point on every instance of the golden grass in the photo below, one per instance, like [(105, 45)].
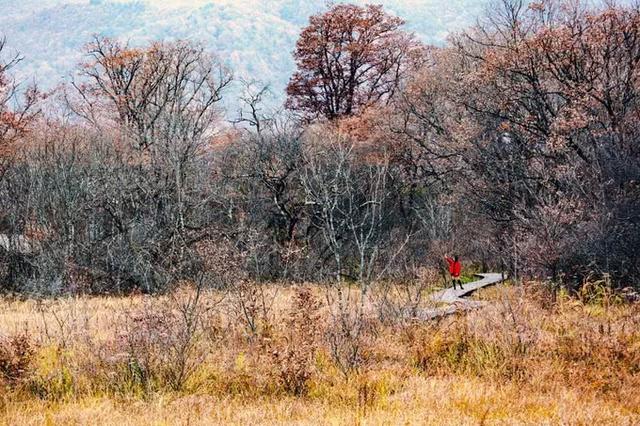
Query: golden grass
[(523, 359), (422, 400)]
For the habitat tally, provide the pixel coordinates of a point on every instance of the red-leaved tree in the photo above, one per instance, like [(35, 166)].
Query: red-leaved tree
[(348, 58)]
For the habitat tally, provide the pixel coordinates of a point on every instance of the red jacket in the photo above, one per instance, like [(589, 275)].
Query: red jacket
[(455, 267)]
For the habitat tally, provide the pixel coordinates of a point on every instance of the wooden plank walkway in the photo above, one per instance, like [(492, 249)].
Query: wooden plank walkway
[(454, 299)]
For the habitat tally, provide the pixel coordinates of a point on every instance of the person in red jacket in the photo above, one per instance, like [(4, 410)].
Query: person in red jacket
[(455, 268)]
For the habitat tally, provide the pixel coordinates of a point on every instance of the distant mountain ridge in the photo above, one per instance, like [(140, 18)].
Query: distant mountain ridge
[(254, 38)]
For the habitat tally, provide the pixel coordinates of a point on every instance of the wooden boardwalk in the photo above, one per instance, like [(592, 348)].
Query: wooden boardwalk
[(454, 299)]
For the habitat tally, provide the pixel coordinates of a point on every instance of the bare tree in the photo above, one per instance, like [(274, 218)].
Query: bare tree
[(161, 91), (17, 109)]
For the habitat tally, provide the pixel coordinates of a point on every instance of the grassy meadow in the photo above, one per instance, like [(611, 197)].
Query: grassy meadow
[(286, 355)]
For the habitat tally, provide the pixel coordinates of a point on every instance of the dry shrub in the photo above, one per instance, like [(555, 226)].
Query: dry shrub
[(147, 332), (66, 362), (542, 294), (58, 373), (594, 354), (460, 351), (398, 300), (347, 331), (162, 341), (16, 358), (294, 361), (251, 304), (576, 345), (598, 292)]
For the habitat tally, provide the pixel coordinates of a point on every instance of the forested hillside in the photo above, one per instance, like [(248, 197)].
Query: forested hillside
[(255, 38)]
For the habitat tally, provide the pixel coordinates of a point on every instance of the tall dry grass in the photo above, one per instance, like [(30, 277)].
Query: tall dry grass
[(530, 356)]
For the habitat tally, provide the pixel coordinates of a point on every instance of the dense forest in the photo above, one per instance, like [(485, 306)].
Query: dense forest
[(515, 146)]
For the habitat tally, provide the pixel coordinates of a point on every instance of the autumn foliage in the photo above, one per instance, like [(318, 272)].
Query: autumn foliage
[(158, 252), (553, 90), (348, 58), (514, 144)]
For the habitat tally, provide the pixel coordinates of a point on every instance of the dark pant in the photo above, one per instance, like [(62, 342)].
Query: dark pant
[(454, 280)]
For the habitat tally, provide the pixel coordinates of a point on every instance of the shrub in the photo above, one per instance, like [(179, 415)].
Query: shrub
[(16, 358), (295, 361), (251, 305), (161, 341)]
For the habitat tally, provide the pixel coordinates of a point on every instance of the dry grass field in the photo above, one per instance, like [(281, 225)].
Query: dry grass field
[(285, 355)]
